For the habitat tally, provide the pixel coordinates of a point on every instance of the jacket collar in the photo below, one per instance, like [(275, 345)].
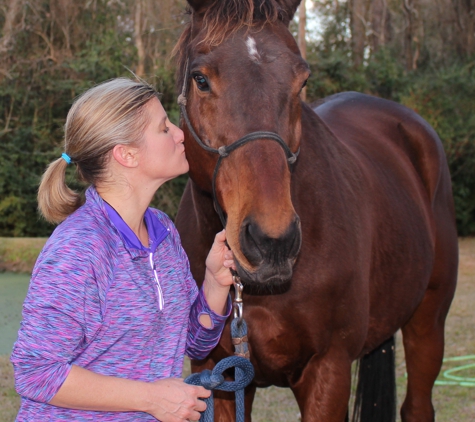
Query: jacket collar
[(157, 232)]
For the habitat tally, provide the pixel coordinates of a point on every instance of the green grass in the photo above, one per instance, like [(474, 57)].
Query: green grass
[(19, 254), (9, 400), (452, 403), (13, 288)]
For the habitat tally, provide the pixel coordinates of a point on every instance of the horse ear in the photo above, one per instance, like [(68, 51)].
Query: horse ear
[(288, 8), (199, 6)]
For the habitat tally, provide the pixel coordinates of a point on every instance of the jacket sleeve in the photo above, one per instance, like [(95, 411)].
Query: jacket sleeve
[(53, 330), (201, 340)]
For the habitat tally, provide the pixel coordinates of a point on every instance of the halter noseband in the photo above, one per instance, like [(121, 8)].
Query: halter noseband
[(225, 150)]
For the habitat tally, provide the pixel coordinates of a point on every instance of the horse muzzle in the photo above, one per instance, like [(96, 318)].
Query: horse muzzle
[(270, 259)]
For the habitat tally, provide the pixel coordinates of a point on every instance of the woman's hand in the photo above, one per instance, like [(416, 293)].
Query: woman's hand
[(218, 277), (168, 400), (220, 259), (172, 400)]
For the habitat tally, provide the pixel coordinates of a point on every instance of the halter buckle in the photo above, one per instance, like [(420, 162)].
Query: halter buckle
[(181, 100)]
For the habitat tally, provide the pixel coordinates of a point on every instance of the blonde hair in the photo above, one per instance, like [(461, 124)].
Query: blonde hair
[(106, 115)]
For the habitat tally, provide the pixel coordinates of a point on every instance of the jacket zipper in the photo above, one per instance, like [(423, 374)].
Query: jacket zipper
[(161, 302)]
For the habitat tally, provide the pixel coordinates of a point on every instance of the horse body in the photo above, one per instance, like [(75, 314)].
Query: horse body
[(371, 193)]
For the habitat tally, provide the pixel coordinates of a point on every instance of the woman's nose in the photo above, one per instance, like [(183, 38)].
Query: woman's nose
[(178, 135)]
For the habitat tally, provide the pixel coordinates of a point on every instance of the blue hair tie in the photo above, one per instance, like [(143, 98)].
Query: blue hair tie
[(66, 157)]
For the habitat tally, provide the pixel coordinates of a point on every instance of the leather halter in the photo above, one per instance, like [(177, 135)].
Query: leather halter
[(225, 150)]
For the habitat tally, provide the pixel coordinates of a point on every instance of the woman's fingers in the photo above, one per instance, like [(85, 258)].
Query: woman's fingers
[(175, 400), (200, 406), (219, 244), (229, 264), (195, 416), (203, 393), (229, 260)]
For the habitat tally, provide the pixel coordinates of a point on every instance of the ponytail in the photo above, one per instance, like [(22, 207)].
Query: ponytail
[(104, 116), (55, 199)]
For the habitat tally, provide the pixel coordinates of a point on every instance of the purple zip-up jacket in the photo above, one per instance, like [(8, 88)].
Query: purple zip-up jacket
[(94, 301)]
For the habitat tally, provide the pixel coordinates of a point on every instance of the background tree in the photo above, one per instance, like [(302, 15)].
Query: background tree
[(359, 23), (50, 52), (380, 21), (418, 52), (302, 38)]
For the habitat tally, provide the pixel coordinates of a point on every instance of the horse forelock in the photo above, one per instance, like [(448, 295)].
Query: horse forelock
[(225, 17)]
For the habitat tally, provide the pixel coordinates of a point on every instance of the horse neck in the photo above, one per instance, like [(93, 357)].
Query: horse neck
[(209, 223), (326, 166)]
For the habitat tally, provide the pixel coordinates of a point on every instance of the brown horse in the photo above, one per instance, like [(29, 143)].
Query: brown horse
[(338, 250)]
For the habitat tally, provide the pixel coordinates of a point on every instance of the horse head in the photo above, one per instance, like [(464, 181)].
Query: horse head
[(242, 73)]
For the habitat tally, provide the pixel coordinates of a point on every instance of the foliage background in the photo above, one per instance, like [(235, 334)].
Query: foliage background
[(417, 52)]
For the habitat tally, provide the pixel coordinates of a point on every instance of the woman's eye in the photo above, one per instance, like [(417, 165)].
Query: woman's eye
[(201, 82)]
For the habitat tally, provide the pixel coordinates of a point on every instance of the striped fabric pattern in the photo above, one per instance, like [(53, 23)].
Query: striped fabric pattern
[(93, 302)]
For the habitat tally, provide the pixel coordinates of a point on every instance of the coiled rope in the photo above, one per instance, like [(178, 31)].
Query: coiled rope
[(243, 369), (214, 380)]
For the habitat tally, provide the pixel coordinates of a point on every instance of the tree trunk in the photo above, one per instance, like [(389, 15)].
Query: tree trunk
[(358, 30), (465, 13), (8, 28), (380, 24), (302, 41), (139, 44), (412, 33)]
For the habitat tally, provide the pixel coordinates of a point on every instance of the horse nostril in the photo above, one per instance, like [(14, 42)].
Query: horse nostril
[(295, 234), (249, 239), (258, 247)]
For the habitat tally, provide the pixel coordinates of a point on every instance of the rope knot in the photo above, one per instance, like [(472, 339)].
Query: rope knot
[(210, 380), (181, 100), (292, 159), (214, 380)]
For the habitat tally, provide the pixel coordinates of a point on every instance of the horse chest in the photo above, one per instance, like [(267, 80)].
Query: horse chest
[(279, 347)]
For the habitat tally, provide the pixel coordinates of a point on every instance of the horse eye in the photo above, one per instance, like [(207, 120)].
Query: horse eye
[(304, 84), (201, 82)]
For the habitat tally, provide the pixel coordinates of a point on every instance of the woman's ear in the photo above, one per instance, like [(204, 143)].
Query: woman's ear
[(125, 155)]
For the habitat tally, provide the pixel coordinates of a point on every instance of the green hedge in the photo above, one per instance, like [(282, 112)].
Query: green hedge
[(36, 99)]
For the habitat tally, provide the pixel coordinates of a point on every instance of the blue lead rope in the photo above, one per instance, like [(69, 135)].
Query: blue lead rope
[(214, 380)]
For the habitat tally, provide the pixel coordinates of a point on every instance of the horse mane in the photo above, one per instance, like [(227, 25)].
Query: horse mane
[(224, 17)]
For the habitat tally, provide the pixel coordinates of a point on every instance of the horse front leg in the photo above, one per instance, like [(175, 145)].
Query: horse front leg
[(323, 390), (225, 405)]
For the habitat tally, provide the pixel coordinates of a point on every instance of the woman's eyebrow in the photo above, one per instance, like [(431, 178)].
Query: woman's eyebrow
[(164, 119)]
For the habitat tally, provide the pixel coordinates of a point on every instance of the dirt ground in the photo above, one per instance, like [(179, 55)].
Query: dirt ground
[(453, 403)]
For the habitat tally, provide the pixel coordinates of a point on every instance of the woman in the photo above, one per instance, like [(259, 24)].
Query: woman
[(112, 307)]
